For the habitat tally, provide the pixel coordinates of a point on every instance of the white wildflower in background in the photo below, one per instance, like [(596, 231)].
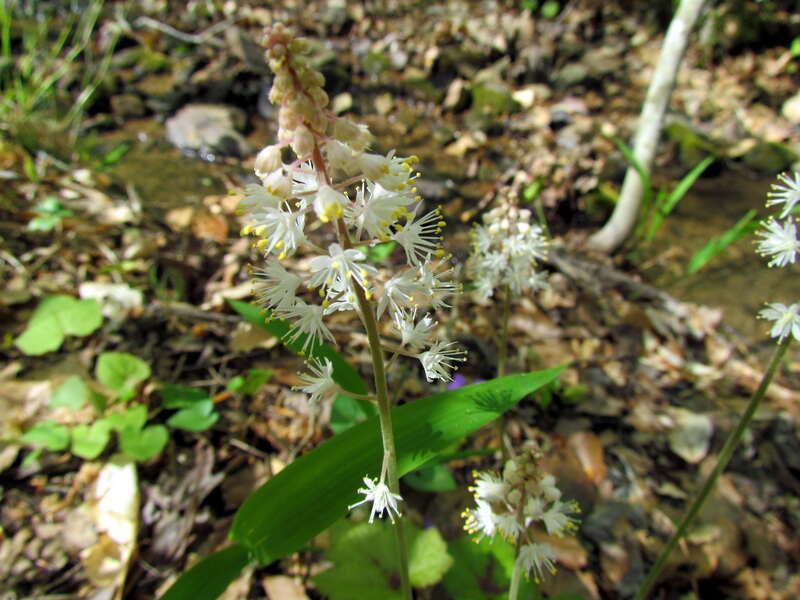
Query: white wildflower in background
[(514, 502), (787, 194), (787, 319), (779, 242), (506, 251)]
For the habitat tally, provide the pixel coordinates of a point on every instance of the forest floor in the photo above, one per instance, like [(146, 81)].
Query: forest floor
[(495, 99)]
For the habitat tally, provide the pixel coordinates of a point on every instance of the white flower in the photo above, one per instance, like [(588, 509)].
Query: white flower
[(537, 558), (309, 322), (547, 487), (508, 525), (391, 172), (304, 180), (376, 209), (319, 384), (421, 238), (329, 203), (788, 193), (557, 519), (281, 230), (383, 500), (481, 519), (257, 197), (439, 360), (779, 240), (404, 291), (275, 287), (436, 288), (414, 335), (489, 486), (787, 319), (339, 268), (341, 156)]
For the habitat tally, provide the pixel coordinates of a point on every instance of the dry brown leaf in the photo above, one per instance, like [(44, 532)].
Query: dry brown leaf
[(588, 448)]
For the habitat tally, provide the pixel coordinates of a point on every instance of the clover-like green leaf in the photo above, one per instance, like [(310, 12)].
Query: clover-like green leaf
[(89, 441), (72, 394), (55, 317), (47, 434), (121, 372), (134, 416), (143, 444), (198, 417)]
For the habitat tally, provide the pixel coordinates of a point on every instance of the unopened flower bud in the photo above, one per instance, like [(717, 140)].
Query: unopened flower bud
[(303, 141), (268, 160)]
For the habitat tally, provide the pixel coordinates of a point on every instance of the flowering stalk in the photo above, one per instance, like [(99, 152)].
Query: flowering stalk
[(779, 243), (505, 251), (512, 503), (364, 199), (724, 457)]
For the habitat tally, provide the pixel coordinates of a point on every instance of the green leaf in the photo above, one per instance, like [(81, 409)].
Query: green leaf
[(250, 384), (482, 570), (364, 557), (89, 442), (432, 478), (428, 559), (181, 396), (121, 372), (55, 317), (314, 491), (134, 417), (347, 411), (143, 444), (198, 417), (343, 373), (211, 576), (379, 252), (47, 434), (667, 205), (743, 227), (72, 394)]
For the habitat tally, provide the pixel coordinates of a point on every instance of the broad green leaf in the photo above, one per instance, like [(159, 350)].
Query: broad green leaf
[(133, 417), (121, 372), (365, 558), (314, 491), (211, 576), (89, 442), (379, 252), (143, 444), (181, 396), (72, 394), (55, 317), (198, 417), (47, 434), (482, 570), (343, 373), (347, 411), (428, 559), (431, 478)]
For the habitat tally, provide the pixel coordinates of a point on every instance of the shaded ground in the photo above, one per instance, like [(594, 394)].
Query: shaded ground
[(655, 384)]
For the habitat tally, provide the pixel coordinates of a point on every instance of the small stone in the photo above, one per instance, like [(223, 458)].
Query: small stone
[(207, 131), (791, 109)]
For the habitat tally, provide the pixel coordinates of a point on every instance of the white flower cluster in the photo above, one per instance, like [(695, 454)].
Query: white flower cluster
[(510, 504), (779, 242), (505, 251), (366, 198)]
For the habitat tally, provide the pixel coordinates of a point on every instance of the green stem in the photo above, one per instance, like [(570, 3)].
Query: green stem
[(513, 590), (722, 462), (385, 417), (502, 357)]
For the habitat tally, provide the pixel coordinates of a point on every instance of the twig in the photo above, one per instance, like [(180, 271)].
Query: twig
[(205, 37)]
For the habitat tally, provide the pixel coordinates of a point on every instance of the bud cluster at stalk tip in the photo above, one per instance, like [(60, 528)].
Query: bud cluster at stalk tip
[(511, 503), (779, 243), (505, 252), (361, 199)]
